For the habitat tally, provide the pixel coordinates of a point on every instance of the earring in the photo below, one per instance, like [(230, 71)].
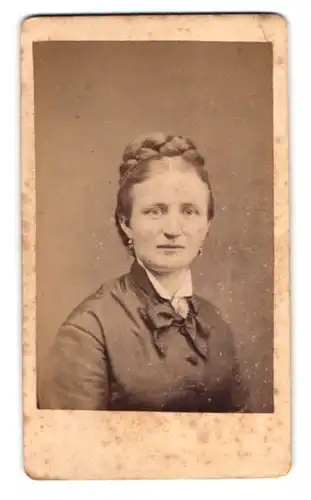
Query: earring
[(200, 252), (130, 246)]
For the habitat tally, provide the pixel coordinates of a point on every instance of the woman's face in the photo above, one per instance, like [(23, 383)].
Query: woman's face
[(169, 222)]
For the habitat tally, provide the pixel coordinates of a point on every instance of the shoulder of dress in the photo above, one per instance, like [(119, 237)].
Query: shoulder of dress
[(210, 312), (100, 299), (206, 305)]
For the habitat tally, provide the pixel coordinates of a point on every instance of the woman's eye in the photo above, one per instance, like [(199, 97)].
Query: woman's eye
[(191, 211), (154, 212)]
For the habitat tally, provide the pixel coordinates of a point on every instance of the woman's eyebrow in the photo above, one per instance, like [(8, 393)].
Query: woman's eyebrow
[(189, 204), (163, 206)]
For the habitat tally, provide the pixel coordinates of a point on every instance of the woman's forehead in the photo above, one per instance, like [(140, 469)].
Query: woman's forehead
[(171, 185)]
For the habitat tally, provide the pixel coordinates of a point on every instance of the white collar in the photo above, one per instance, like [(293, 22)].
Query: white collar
[(185, 290)]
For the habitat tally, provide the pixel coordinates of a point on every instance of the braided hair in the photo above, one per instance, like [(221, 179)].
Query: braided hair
[(136, 162)]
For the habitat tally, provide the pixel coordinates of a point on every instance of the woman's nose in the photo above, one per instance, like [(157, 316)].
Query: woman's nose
[(172, 226)]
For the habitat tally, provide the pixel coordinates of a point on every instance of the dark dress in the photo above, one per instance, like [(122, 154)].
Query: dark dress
[(125, 348)]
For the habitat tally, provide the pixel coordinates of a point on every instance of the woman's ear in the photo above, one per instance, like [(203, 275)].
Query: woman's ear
[(125, 226)]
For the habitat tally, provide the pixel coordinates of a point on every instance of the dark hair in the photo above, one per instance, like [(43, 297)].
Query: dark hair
[(136, 166)]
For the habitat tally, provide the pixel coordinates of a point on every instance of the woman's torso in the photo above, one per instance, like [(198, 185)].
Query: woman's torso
[(133, 353)]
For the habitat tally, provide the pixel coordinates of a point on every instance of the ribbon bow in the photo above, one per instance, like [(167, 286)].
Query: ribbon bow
[(162, 315)]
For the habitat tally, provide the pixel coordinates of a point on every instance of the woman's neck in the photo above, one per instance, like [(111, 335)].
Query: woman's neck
[(171, 281)]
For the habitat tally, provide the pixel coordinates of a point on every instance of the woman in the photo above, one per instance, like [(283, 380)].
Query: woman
[(144, 341)]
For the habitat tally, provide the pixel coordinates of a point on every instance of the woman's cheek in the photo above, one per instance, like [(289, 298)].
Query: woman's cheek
[(147, 228), (196, 227)]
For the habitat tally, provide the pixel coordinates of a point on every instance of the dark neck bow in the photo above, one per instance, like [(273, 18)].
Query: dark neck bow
[(161, 316)]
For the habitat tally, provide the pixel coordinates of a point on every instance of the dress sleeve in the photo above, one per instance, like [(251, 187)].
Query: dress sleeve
[(77, 372)]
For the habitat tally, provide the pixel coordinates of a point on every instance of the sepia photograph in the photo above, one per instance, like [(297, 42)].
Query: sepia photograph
[(200, 115), (154, 198)]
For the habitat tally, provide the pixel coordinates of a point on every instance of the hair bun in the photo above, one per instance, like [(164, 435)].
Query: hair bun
[(176, 144), (157, 143), (146, 141)]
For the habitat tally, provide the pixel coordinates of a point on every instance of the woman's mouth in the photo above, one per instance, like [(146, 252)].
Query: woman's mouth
[(170, 247)]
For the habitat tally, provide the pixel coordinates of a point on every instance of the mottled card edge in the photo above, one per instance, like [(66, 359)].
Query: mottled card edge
[(245, 451)]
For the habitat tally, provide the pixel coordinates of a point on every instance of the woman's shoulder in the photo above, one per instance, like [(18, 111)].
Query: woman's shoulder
[(101, 299), (211, 313), (211, 318), (206, 305)]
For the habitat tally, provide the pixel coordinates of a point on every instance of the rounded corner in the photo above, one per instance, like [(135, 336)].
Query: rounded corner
[(30, 473), (26, 22), (288, 467), (282, 19)]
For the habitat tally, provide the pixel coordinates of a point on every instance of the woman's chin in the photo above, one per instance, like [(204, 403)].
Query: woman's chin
[(168, 265)]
